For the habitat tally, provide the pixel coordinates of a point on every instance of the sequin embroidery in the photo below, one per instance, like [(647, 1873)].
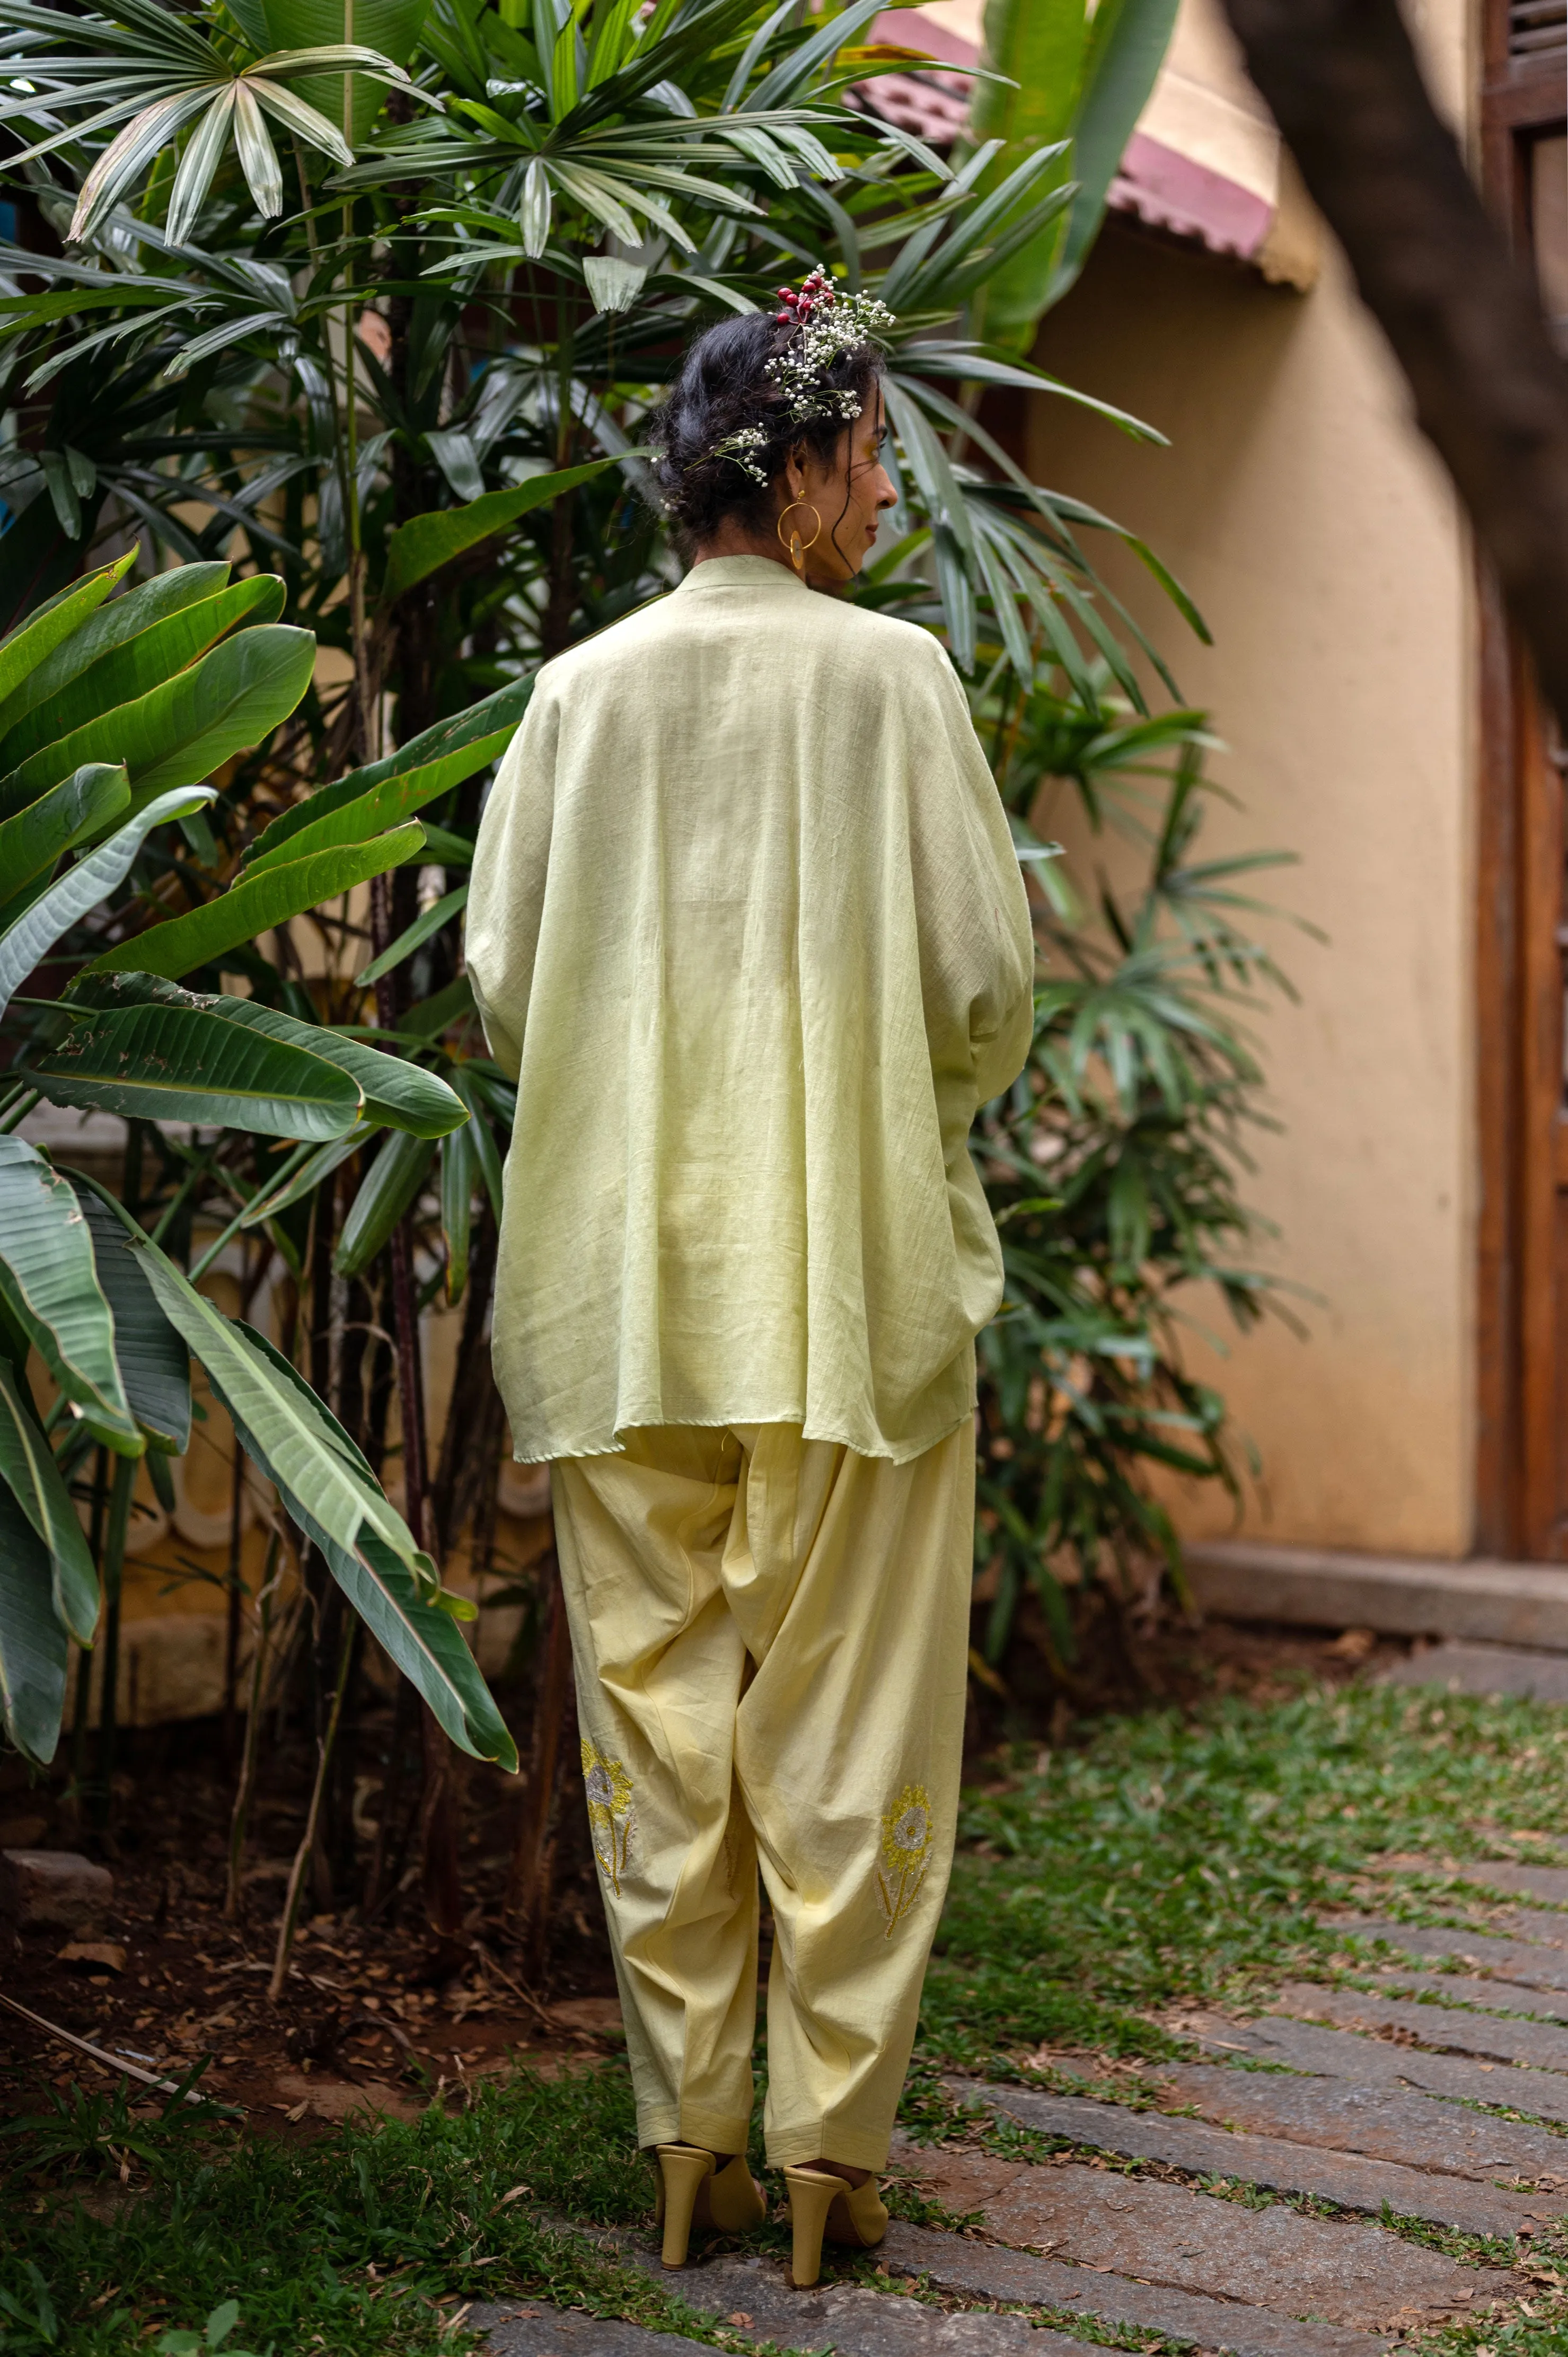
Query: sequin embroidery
[(608, 1789), (905, 1853)]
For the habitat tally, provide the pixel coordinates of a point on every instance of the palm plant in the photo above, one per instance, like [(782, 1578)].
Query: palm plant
[(1115, 1164)]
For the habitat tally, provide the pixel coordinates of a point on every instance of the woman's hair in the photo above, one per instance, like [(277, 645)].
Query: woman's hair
[(726, 426)]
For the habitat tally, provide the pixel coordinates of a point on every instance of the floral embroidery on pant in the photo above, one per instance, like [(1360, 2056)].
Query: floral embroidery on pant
[(610, 1811), (905, 1853)]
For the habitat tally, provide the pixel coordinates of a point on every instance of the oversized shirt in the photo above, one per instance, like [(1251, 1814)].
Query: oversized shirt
[(748, 927)]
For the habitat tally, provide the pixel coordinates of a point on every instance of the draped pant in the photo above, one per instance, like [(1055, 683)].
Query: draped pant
[(770, 1641)]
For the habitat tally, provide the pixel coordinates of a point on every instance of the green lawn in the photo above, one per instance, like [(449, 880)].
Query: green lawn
[(1169, 1858)]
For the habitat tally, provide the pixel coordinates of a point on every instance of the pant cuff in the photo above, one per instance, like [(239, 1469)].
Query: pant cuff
[(657, 2126), (820, 2139), (718, 2131), (714, 2131)]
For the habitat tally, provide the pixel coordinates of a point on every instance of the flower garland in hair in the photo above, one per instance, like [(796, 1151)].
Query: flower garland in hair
[(829, 323)]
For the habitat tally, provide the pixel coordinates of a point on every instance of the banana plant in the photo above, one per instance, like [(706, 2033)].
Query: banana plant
[(172, 678), (1069, 77)]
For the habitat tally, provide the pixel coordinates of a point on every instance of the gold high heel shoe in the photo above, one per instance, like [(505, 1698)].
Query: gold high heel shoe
[(823, 2204), (693, 2193)]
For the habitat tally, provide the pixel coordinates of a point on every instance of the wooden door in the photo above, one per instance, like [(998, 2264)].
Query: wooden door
[(1522, 936)]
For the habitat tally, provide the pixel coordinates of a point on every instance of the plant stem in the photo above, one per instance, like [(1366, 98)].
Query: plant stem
[(181, 1196), (245, 1788), (307, 1838), (19, 1111), (274, 1180), (113, 1568)]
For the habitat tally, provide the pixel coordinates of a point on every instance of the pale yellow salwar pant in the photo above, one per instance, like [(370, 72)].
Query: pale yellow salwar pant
[(770, 1641)]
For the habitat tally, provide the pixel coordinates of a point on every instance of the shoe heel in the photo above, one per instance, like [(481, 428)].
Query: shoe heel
[(683, 2173), (811, 2195)]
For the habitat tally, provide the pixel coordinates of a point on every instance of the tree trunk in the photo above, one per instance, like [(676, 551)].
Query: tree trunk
[(1459, 308), (471, 1441), (533, 1851)]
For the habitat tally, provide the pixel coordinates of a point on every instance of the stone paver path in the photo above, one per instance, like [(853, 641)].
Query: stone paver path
[(1351, 2179), (1243, 2210), (1533, 1964), (1241, 2213), (1475, 1668)]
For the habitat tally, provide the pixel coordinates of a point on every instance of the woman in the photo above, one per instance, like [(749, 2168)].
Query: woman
[(747, 924)]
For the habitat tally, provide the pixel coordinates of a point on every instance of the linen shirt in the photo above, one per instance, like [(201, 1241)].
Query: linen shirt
[(748, 927)]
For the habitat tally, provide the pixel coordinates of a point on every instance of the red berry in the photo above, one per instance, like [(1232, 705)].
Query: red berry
[(782, 317)]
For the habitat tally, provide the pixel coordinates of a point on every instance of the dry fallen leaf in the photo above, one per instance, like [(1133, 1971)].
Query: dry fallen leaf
[(108, 1954), (740, 2317)]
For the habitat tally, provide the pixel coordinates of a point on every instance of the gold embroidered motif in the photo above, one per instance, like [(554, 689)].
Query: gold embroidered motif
[(610, 1811), (905, 1853)]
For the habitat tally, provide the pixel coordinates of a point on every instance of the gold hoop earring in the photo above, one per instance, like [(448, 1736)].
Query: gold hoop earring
[(796, 546)]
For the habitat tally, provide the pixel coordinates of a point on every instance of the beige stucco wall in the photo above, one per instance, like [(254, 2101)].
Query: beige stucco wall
[(1322, 542)]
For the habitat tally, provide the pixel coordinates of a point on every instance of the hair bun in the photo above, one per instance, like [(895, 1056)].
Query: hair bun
[(727, 424)]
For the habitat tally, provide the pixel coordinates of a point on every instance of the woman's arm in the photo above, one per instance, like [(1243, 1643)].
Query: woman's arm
[(506, 898), (977, 944)]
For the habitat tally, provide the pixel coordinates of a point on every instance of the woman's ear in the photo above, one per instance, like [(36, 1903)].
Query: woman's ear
[(794, 477)]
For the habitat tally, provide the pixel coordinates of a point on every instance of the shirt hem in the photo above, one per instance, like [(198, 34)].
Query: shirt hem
[(549, 1452)]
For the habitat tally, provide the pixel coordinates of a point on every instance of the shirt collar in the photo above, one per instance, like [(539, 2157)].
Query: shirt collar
[(739, 572)]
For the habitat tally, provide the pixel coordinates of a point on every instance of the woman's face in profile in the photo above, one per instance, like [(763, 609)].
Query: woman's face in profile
[(849, 492)]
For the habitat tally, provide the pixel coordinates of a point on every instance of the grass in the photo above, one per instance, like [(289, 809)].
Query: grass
[(1168, 1861), (354, 2238), (1184, 1860)]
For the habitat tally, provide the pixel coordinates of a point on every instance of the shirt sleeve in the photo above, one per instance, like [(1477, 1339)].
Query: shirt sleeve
[(977, 944), (505, 896)]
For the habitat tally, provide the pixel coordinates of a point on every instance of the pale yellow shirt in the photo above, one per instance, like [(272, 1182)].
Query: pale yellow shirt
[(748, 927)]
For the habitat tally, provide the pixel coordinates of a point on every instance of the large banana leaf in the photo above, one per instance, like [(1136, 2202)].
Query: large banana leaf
[(33, 839), (81, 887), (185, 1063), (403, 1095), (51, 1288), (154, 1364), (27, 1463), (32, 1640), (420, 1637), (178, 732), (437, 759), (328, 1490), (386, 806), (256, 903), (110, 626), (390, 26), (1127, 43), (1072, 72), (425, 1644), (292, 1436), (142, 662), (426, 543), (37, 636)]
